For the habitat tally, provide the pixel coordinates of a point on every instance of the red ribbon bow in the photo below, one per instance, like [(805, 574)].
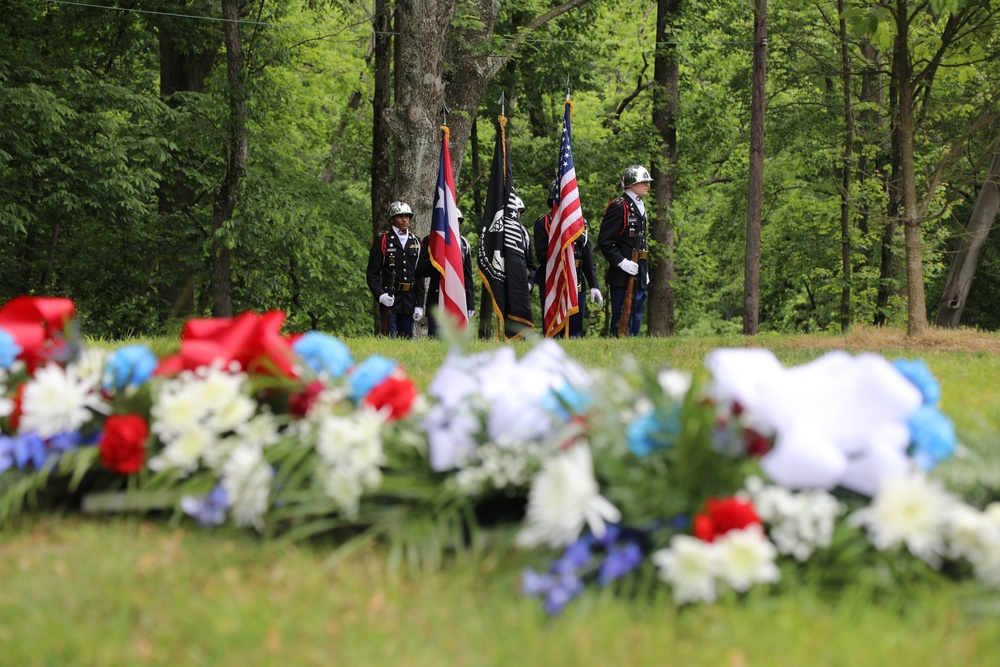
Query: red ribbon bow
[(36, 323), (251, 340)]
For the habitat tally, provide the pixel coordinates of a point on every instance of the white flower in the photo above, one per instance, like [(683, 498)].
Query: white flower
[(176, 410), (450, 436), (350, 451), (563, 497), (56, 401), (260, 430), (911, 510), (800, 522), (674, 383), (184, 451), (689, 566), (246, 478), (745, 557)]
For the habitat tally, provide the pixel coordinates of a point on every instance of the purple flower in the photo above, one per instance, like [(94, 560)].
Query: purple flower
[(207, 510), (22, 449), (557, 589), (619, 561), (576, 557)]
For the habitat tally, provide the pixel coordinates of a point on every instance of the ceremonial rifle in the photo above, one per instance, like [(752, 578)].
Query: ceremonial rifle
[(626, 315)]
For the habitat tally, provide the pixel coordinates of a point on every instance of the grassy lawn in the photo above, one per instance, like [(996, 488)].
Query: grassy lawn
[(126, 591)]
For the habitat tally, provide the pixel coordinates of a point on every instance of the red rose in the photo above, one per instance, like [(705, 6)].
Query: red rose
[(757, 444), (396, 393), (123, 443), (724, 515)]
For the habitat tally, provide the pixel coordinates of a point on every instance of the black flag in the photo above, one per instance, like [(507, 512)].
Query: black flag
[(503, 243)]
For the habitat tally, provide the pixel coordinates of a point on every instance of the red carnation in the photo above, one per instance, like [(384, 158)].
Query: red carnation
[(123, 443), (396, 393), (724, 515), (299, 404), (757, 444)]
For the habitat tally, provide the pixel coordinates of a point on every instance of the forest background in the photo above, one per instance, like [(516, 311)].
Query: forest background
[(166, 159)]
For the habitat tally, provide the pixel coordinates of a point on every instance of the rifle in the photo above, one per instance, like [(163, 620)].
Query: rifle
[(385, 312), (626, 315)]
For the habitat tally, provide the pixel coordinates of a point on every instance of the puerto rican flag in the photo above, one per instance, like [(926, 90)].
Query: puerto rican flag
[(561, 299), (445, 242)]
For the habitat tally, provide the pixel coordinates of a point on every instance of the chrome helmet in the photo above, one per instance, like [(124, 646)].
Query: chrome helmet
[(399, 208), (518, 204), (459, 215), (635, 174)]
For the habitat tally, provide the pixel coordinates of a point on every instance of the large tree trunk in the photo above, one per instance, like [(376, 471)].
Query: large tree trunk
[(181, 71), (969, 247), (237, 149), (751, 267), (665, 95), (916, 306), (887, 263), (424, 42), (846, 176)]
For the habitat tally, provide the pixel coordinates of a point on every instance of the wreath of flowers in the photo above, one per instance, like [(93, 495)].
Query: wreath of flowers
[(631, 474)]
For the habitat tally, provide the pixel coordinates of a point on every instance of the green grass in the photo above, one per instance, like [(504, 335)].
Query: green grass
[(123, 591)]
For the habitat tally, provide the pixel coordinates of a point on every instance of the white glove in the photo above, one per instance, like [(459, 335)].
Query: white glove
[(387, 300), (471, 314), (418, 314), (595, 297), (629, 267)]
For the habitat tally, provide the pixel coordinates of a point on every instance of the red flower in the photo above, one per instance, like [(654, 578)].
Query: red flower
[(14, 419), (724, 515), (299, 404), (757, 444), (396, 393), (123, 443)]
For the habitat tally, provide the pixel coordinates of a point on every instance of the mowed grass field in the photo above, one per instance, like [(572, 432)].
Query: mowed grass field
[(83, 590)]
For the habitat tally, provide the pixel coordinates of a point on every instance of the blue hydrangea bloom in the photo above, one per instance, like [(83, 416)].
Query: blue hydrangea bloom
[(566, 401), (323, 353), (368, 375), (916, 371), (9, 349), (620, 560), (129, 366), (207, 510), (653, 430), (932, 436)]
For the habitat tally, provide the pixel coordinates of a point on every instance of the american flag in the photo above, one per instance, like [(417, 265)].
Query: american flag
[(445, 242), (561, 288)]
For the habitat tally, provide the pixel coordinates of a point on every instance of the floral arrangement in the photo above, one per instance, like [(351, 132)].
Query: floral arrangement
[(625, 478)]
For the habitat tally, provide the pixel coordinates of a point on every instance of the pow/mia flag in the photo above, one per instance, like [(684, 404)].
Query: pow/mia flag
[(503, 243)]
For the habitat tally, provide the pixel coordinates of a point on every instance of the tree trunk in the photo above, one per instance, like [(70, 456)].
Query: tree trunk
[(887, 264), (916, 307), (665, 96), (751, 268), (381, 102), (237, 149), (181, 71), (969, 247), (846, 177), (871, 122)]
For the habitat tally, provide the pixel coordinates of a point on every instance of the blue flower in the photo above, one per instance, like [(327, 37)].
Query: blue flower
[(566, 401), (207, 510), (916, 371), (652, 431), (932, 436), (323, 353), (129, 366), (9, 349), (557, 589), (22, 449), (576, 557), (368, 375), (619, 561)]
